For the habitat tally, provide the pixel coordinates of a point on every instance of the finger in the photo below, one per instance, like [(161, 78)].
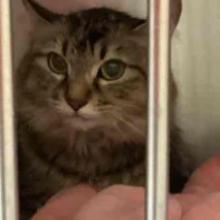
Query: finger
[(174, 209), (116, 202), (186, 201), (65, 203), (206, 179), (132, 194), (206, 209)]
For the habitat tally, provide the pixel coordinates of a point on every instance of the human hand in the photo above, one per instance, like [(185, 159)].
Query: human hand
[(200, 200), (84, 203)]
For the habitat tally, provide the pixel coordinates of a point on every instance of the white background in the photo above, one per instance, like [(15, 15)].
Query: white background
[(196, 64)]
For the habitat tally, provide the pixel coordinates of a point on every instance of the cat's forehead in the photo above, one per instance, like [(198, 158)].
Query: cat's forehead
[(102, 18), (95, 24), (86, 29)]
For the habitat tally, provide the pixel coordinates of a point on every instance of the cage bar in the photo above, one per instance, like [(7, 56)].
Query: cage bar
[(158, 110), (8, 180)]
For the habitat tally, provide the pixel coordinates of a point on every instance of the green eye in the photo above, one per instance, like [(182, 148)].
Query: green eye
[(57, 63), (112, 70)]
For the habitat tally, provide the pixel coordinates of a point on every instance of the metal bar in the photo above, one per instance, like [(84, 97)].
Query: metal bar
[(8, 202), (158, 110)]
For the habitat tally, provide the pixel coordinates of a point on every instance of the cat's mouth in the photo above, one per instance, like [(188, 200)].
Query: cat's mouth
[(82, 121), (82, 116)]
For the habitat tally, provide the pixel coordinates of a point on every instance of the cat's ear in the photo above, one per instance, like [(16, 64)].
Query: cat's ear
[(40, 14), (140, 33), (142, 28), (175, 12)]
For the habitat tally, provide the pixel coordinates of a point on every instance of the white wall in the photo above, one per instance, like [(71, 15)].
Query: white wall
[(196, 63), (196, 59)]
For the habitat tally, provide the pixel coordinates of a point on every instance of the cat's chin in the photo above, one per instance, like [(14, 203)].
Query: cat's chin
[(82, 123)]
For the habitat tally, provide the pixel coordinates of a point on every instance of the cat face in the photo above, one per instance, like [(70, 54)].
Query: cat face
[(85, 71)]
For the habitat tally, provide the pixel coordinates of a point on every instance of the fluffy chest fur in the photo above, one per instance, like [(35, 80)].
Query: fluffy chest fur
[(98, 161)]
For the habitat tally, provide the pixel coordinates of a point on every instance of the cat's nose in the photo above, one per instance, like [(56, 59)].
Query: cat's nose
[(76, 104)]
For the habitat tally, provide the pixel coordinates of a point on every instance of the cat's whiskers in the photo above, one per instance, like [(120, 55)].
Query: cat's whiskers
[(128, 123), (113, 112), (124, 105), (116, 126), (108, 112), (112, 107), (61, 106)]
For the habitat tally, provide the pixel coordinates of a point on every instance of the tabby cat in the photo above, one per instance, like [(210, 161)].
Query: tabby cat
[(81, 103)]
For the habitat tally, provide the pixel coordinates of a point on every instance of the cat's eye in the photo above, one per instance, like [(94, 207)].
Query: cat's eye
[(57, 63), (112, 70)]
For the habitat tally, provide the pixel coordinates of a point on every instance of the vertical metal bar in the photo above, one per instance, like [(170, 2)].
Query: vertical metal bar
[(158, 133), (8, 208)]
